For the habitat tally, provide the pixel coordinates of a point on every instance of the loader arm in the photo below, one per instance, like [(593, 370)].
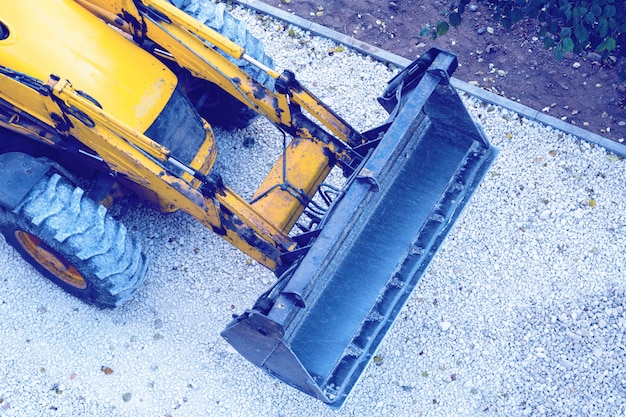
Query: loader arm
[(213, 204), (316, 146), (133, 157), (197, 48)]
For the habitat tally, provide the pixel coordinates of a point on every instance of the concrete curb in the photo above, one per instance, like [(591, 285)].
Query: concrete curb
[(401, 62)]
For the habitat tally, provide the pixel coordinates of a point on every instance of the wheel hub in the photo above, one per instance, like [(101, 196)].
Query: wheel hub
[(50, 259)]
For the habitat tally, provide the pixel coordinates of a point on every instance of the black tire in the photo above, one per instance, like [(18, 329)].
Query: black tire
[(222, 109), (71, 240)]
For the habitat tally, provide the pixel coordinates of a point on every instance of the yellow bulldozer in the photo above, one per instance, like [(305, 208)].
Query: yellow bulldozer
[(105, 99)]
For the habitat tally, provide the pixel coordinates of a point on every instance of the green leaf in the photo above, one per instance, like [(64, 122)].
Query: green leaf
[(595, 10), (581, 33), (609, 10), (425, 31), (565, 32), (455, 19), (532, 12), (603, 28), (558, 52), (568, 13), (568, 45), (576, 13), (442, 28), (610, 44), (516, 15), (607, 45), (553, 27), (548, 42)]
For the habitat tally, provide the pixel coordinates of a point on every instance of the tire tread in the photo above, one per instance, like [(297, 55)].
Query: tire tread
[(64, 213)]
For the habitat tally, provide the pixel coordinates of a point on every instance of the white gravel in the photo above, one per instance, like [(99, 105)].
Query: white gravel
[(522, 312)]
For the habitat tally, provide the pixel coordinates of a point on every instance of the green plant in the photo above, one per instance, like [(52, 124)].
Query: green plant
[(564, 25), (456, 9)]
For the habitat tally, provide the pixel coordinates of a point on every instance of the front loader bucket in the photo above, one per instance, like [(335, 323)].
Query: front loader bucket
[(330, 314)]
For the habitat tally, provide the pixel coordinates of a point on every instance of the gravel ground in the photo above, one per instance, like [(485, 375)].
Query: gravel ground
[(522, 312)]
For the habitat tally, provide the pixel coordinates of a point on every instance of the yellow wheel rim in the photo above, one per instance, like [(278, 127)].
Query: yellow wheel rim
[(50, 259)]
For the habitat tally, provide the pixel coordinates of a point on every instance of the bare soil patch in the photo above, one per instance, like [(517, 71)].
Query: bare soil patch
[(579, 89)]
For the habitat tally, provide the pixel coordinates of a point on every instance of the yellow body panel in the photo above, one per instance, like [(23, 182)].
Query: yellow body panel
[(72, 43), (307, 166), (99, 62)]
